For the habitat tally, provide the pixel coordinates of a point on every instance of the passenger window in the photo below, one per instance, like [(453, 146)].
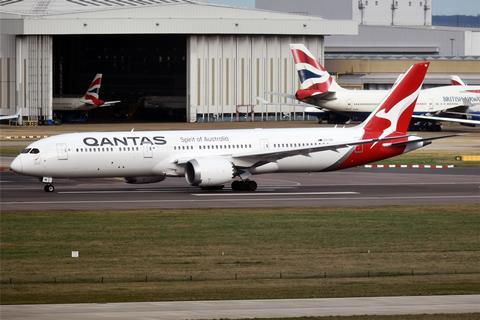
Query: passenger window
[(26, 150), (35, 151)]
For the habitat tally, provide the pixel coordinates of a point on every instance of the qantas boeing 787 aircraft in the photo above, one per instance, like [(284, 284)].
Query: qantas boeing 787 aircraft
[(213, 158)]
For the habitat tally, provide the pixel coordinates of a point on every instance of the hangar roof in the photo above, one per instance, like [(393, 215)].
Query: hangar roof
[(49, 17)]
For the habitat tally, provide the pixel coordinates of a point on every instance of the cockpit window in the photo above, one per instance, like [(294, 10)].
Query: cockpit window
[(26, 150), (35, 151)]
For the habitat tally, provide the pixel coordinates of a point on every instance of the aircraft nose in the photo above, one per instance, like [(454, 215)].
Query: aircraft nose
[(16, 165)]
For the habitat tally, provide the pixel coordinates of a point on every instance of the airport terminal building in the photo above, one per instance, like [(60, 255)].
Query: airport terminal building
[(190, 61)]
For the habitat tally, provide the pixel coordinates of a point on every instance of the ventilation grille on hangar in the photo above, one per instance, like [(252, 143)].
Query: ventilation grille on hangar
[(39, 7), (5, 2), (99, 3)]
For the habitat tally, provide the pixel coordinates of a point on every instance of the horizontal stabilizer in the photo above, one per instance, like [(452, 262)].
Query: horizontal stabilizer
[(110, 103), (404, 143)]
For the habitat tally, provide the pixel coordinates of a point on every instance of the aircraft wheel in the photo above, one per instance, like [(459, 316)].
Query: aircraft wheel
[(251, 185), (49, 188), (236, 185)]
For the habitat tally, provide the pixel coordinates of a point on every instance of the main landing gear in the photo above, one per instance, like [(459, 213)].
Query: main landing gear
[(48, 184), (244, 185)]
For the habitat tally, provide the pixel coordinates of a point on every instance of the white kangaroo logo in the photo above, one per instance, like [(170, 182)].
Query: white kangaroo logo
[(394, 114)]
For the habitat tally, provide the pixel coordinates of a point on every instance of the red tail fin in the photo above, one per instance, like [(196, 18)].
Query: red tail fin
[(395, 111)]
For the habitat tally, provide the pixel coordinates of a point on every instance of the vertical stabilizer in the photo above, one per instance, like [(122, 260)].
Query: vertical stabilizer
[(394, 113), (314, 78), (93, 91)]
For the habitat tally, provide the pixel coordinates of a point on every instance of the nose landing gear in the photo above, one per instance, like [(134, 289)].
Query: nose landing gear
[(48, 184), (49, 188)]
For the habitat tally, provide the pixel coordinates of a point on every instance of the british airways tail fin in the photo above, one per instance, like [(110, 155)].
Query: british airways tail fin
[(394, 113), (314, 78), (92, 95)]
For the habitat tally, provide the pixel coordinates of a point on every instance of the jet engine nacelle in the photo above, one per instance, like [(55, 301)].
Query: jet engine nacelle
[(144, 180), (209, 172)]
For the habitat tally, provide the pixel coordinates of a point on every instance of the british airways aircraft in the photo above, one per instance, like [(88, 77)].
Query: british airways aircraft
[(90, 100), (320, 89), (212, 158)]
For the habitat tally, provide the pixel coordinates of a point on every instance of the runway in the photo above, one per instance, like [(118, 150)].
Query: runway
[(242, 309), (354, 187)]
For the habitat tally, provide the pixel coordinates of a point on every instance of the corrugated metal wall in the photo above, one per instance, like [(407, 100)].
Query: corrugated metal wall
[(26, 76), (7, 74), (34, 75), (225, 72)]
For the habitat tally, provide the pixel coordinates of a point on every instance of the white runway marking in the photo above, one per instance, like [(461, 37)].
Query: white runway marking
[(117, 191), (236, 200), (391, 184), (273, 193), (269, 187)]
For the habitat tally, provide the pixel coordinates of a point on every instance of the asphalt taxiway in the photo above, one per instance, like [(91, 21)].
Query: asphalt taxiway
[(243, 309), (354, 187)]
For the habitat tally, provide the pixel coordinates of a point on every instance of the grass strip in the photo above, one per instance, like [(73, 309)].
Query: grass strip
[(142, 255)]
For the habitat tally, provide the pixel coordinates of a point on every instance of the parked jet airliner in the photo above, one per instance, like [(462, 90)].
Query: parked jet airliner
[(319, 88), (90, 100), (213, 158)]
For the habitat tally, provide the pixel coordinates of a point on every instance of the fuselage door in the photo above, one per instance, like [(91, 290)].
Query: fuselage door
[(264, 144), (62, 153), (349, 105), (148, 151), (431, 104)]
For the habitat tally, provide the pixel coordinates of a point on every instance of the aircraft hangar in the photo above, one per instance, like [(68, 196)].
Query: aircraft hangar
[(177, 59)]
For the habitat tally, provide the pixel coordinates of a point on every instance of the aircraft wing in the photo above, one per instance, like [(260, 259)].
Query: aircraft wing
[(447, 119), (313, 110), (13, 116), (260, 158), (307, 106), (109, 103), (329, 95), (283, 95)]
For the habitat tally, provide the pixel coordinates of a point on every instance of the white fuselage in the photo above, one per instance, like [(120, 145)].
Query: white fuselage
[(429, 101), (157, 153), (71, 104)]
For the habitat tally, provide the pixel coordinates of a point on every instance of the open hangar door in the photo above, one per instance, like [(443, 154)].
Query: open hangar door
[(146, 72)]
